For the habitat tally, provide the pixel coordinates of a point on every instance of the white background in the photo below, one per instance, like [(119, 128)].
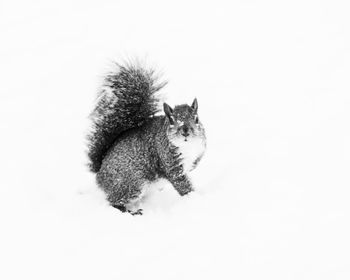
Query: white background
[(272, 80)]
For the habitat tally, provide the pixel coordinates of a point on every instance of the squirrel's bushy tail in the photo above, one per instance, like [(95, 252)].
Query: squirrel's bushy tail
[(126, 101)]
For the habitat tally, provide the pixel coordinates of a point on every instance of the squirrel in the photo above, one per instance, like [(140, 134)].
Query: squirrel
[(129, 146)]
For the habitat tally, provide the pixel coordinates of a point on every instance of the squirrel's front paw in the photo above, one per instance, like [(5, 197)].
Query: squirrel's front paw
[(186, 191), (137, 212)]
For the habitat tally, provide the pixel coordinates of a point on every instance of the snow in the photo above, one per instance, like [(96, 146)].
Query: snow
[(272, 82)]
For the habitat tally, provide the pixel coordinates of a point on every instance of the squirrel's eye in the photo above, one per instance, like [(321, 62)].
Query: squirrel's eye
[(196, 119)]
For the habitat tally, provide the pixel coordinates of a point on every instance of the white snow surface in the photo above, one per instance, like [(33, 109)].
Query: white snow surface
[(273, 190)]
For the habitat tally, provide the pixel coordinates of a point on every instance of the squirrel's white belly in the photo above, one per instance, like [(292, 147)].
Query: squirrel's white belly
[(190, 150)]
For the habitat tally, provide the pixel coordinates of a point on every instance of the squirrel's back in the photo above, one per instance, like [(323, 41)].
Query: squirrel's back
[(136, 150), (126, 101)]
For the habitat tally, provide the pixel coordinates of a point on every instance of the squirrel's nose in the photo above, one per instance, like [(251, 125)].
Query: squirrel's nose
[(185, 131)]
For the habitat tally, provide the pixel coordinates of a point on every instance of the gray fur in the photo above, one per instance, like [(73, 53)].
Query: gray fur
[(145, 153)]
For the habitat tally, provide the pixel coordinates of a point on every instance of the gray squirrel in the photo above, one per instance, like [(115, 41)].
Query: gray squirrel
[(129, 146)]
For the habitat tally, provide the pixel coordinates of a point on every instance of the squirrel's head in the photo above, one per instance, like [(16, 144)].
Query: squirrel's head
[(183, 122)]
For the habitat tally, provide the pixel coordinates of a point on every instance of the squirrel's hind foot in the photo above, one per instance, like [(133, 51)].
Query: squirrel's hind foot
[(137, 212), (123, 209)]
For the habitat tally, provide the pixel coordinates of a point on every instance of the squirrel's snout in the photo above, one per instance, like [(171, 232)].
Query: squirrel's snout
[(185, 131)]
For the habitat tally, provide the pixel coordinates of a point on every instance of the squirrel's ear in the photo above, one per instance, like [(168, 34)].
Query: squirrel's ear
[(167, 109), (169, 113), (194, 105)]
